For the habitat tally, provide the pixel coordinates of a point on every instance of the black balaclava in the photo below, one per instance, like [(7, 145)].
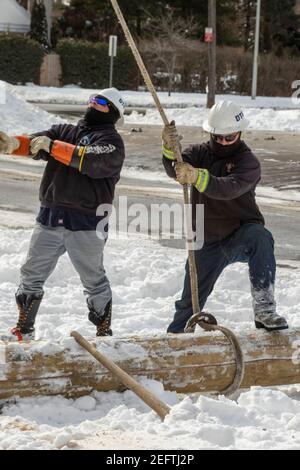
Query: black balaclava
[(224, 151), (96, 118)]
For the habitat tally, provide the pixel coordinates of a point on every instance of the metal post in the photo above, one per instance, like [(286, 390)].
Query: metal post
[(256, 50), (112, 52), (212, 23), (111, 71)]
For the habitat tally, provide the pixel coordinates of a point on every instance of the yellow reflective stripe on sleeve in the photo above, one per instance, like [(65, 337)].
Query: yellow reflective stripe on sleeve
[(198, 179), (206, 180), (168, 153), (82, 153), (169, 157), (202, 180)]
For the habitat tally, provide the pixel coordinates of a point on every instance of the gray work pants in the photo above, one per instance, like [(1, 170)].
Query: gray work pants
[(85, 250)]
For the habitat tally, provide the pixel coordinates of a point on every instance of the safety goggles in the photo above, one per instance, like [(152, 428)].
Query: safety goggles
[(96, 99), (227, 138)]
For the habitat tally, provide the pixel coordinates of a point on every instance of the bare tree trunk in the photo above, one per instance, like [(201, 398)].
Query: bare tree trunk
[(170, 86), (212, 23), (248, 12), (139, 23)]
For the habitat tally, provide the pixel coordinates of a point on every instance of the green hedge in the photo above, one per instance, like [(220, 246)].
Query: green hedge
[(86, 64), (20, 58)]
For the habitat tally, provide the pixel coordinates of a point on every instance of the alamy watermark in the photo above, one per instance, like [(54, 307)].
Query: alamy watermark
[(296, 354), (157, 221), (296, 94)]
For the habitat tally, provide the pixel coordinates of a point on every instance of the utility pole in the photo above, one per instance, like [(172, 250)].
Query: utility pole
[(256, 50), (211, 38)]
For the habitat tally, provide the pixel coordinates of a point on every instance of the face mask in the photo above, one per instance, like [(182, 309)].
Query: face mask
[(95, 118), (224, 151)]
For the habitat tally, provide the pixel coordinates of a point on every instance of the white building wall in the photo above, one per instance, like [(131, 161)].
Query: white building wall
[(13, 17)]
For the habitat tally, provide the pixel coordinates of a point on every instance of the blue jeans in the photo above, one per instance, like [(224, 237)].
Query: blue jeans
[(252, 244)]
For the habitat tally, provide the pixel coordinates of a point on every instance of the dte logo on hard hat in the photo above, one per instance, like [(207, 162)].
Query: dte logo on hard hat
[(239, 116)]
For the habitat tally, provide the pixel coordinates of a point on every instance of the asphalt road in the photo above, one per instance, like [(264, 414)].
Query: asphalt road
[(278, 153)]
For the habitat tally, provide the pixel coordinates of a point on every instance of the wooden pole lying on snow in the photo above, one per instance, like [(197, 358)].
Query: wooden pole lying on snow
[(151, 400), (184, 363)]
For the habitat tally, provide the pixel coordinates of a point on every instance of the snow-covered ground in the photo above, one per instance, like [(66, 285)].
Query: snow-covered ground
[(187, 109), (259, 419), (146, 279)]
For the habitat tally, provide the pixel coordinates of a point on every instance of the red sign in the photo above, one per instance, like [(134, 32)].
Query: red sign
[(209, 35)]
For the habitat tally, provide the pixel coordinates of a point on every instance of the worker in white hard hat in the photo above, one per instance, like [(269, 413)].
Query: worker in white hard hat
[(223, 174), (83, 167)]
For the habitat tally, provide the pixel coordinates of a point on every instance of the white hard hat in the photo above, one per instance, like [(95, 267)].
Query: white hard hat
[(114, 96), (225, 117)]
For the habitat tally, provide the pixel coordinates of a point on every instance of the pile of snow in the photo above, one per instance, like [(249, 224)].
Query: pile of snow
[(18, 117)]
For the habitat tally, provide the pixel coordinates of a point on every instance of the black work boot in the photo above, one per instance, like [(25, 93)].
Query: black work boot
[(102, 320), (28, 306), (270, 321)]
